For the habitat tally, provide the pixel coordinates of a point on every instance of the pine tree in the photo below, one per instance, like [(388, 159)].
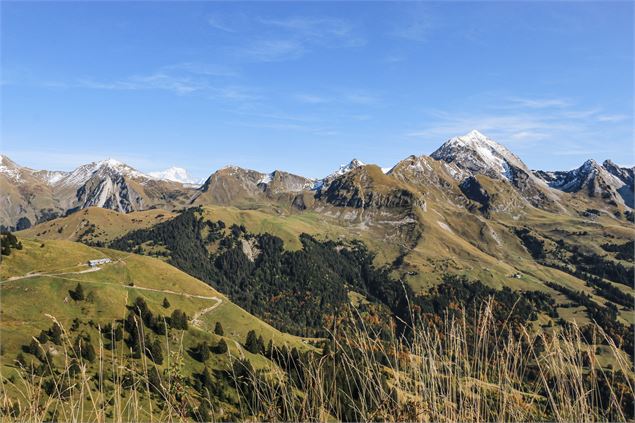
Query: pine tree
[(118, 333), (178, 320), (206, 380), (43, 337), (166, 303), (56, 334), (261, 345), (35, 349), (202, 352), (154, 378), (78, 293), (153, 350), (85, 348), (221, 348), (218, 329), (251, 343)]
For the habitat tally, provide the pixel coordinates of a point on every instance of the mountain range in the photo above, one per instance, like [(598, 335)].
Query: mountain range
[(283, 257), (472, 171)]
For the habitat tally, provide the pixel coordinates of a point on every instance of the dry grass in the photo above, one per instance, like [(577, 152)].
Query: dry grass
[(453, 374), (460, 372)]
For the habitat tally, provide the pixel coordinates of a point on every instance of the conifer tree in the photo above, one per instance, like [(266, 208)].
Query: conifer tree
[(218, 329), (202, 352), (178, 320), (251, 343), (154, 378), (56, 334), (221, 348), (78, 293)]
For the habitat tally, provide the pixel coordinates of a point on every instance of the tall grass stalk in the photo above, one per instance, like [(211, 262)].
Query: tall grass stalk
[(459, 370)]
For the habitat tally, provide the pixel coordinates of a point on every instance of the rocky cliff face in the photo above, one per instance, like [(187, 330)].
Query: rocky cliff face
[(32, 196), (367, 187), (611, 184)]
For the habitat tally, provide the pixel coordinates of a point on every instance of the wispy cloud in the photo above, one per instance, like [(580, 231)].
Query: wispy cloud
[(318, 29), (568, 128), (272, 50), (612, 118), (220, 23), (181, 79), (266, 39), (340, 97), (540, 103), (312, 99), (208, 69)]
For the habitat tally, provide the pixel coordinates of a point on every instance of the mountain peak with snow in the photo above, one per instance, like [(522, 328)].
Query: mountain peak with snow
[(476, 153), (345, 168), (175, 174)]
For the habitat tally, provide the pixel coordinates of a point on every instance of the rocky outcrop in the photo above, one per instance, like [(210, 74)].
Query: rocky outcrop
[(473, 190), (367, 187)]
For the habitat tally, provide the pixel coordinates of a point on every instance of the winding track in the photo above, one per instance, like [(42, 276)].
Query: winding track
[(196, 319)]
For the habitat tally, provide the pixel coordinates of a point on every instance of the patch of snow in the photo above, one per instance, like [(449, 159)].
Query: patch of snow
[(477, 153), (13, 174), (344, 169), (353, 164), (174, 174), (54, 177), (266, 179), (109, 166)]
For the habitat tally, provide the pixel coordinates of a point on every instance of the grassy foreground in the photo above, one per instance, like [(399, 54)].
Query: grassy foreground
[(448, 375)]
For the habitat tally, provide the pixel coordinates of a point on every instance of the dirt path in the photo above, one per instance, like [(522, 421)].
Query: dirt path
[(196, 319)]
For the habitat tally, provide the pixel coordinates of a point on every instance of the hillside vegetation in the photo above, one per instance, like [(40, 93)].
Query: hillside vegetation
[(44, 285)]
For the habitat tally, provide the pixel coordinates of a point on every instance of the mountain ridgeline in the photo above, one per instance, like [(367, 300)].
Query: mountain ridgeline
[(34, 196), (413, 293)]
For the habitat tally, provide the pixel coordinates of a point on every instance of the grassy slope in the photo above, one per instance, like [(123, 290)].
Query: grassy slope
[(26, 302), (109, 224), (453, 240), (289, 226)]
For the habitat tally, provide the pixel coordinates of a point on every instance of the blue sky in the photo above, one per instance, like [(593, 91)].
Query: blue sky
[(305, 87)]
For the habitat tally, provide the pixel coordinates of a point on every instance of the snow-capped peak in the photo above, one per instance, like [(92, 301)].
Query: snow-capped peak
[(109, 166), (476, 135), (345, 168), (477, 153), (589, 165), (110, 162), (9, 168), (174, 174)]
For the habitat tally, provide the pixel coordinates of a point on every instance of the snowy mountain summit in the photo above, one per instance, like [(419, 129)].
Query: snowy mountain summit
[(353, 164), (476, 153), (343, 170), (175, 174)]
